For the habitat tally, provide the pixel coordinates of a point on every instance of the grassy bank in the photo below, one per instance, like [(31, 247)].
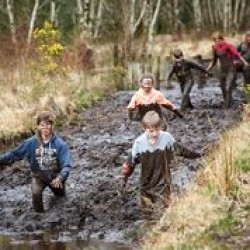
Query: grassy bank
[(214, 211), (25, 92)]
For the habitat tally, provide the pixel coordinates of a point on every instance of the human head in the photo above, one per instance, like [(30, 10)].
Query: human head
[(44, 123), (151, 120), (45, 116), (147, 82), (152, 123), (218, 38), (247, 37), (178, 54)]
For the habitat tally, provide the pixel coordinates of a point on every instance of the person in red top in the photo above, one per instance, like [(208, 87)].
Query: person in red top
[(227, 55), (147, 98)]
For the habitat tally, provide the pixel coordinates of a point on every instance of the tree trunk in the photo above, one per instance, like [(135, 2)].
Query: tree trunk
[(211, 13), (98, 18), (242, 12), (152, 25), (136, 24), (197, 15), (80, 13), (236, 14), (53, 12), (32, 22), (226, 16), (12, 22)]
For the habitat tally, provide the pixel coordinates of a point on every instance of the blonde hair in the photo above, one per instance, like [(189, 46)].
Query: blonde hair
[(151, 119)]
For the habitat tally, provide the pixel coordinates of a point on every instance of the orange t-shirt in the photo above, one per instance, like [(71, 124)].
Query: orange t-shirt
[(141, 98)]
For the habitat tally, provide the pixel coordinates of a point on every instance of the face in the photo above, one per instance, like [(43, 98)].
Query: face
[(218, 41), (152, 132), (45, 129), (247, 38), (147, 84)]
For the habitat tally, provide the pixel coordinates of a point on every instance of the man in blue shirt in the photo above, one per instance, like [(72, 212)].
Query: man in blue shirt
[(49, 159)]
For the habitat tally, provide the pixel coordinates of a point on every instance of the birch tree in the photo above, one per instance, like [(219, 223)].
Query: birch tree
[(197, 15), (98, 18), (11, 20), (152, 24), (32, 22)]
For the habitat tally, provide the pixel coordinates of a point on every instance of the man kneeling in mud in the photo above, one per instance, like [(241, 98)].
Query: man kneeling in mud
[(147, 98), (154, 149), (49, 159)]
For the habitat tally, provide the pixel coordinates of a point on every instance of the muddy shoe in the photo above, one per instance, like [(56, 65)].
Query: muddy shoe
[(146, 204)]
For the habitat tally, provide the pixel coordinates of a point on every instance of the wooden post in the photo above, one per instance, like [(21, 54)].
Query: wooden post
[(115, 56), (157, 72), (149, 64)]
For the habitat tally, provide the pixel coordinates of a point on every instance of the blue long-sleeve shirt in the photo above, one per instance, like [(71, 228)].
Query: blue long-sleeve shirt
[(55, 156)]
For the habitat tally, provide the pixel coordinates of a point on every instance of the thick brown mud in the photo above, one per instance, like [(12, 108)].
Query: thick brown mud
[(93, 209)]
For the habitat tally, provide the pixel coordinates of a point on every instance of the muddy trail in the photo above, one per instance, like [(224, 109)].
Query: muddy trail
[(99, 146)]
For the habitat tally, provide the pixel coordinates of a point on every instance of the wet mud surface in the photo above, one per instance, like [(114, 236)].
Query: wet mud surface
[(99, 146)]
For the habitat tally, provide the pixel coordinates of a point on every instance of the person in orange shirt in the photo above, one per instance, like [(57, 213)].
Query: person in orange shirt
[(147, 98)]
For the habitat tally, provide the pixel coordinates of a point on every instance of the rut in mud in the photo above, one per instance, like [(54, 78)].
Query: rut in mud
[(99, 147)]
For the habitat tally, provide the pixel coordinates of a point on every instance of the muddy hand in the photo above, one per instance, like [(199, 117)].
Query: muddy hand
[(57, 183), (178, 113)]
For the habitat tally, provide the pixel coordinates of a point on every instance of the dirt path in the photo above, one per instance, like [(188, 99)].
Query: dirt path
[(99, 146)]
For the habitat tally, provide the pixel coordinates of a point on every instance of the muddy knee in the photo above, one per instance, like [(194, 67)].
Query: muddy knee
[(37, 188)]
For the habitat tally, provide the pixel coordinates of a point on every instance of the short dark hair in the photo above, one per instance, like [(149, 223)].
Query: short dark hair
[(45, 116), (178, 53), (218, 35)]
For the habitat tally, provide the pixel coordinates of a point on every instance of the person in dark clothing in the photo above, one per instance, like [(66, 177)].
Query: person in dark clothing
[(49, 159), (182, 68), (227, 55), (244, 49), (155, 150), (147, 98)]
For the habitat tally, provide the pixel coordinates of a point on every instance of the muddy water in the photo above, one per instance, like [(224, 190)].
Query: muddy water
[(99, 146), (55, 241)]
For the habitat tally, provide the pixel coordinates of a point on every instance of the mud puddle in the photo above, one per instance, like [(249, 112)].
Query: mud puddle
[(99, 147), (58, 241)]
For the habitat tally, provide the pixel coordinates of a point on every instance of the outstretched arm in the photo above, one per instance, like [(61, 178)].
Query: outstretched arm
[(15, 155), (169, 105), (213, 62), (236, 53), (184, 151), (197, 66)]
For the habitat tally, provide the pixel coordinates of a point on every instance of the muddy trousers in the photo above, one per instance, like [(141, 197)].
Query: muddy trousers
[(246, 77), (186, 88), (37, 187), (159, 197), (227, 82)]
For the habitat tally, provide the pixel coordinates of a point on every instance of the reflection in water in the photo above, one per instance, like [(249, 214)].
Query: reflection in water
[(44, 242)]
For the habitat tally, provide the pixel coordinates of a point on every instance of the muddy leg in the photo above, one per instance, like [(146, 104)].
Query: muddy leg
[(230, 82), (147, 198), (223, 85), (37, 187), (186, 102), (246, 76), (201, 80)]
